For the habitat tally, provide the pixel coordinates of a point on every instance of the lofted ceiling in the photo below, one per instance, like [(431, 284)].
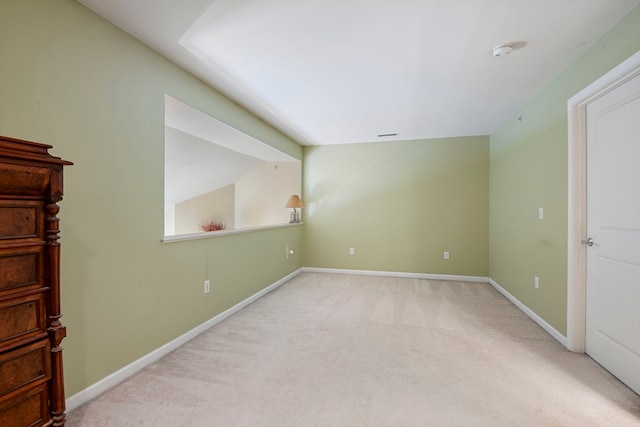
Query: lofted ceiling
[(333, 72)]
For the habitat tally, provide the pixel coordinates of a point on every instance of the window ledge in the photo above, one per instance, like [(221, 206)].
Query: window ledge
[(206, 235)]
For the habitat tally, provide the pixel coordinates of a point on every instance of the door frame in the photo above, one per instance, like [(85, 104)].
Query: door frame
[(577, 196)]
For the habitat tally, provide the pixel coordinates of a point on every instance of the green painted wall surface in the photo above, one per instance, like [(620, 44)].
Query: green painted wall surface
[(399, 204), (529, 170), (70, 79)]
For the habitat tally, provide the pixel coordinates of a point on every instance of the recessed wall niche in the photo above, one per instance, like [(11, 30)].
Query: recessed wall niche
[(215, 171)]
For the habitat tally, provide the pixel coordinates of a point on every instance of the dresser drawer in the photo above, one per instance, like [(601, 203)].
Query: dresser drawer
[(22, 318), (30, 408), (24, 366), (20, 219), (20, 267), (23, 180)]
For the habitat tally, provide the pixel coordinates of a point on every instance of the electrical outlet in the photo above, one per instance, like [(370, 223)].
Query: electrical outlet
[(536, 282), (207, 286), (540, 213), (352, 251), (446, 255), (288, 252)]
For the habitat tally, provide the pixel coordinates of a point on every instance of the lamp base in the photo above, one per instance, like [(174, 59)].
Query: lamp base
[(294, 217)]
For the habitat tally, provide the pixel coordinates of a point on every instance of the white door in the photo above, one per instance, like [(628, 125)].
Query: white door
[(613, 223)]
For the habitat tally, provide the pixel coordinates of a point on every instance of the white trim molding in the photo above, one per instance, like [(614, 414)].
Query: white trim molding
[(209, 234), (479, 279), (526, 310), (122, 374), (397, 274), (127, 371), (577, 195)]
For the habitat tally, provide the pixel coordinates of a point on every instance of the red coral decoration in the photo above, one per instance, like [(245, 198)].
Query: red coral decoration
[(213, 225)]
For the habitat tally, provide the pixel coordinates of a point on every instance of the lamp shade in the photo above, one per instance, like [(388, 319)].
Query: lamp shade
[(294, 202)]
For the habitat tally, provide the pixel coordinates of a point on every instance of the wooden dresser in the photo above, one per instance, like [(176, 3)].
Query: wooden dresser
[(31, 380)]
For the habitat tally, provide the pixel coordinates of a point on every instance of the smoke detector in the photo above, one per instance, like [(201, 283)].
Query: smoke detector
[(502, 50)]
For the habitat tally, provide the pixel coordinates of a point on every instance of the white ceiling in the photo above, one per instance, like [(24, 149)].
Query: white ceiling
[(332, 72), (189, 171)]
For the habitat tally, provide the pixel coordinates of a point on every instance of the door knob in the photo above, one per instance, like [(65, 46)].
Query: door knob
[(588, 242)]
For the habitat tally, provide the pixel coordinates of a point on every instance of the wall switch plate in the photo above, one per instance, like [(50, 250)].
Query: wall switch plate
[(540, 213), (446, 255), (536, 282), (352, 251), (207, 286)]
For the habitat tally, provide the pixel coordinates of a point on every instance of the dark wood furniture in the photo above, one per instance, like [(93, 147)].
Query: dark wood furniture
[(31, 380)]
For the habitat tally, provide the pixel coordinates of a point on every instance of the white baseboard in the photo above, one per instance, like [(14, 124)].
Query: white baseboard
[(526, 310), (120, 375), (398, 274)]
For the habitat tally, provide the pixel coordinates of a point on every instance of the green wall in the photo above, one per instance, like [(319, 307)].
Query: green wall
[(70, 79), (529, 170), (400, 205)]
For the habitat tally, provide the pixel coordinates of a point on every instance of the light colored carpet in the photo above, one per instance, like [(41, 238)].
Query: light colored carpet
[(343, 350)]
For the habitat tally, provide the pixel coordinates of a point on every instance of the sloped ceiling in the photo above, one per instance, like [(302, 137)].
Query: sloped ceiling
[(203, 154)]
